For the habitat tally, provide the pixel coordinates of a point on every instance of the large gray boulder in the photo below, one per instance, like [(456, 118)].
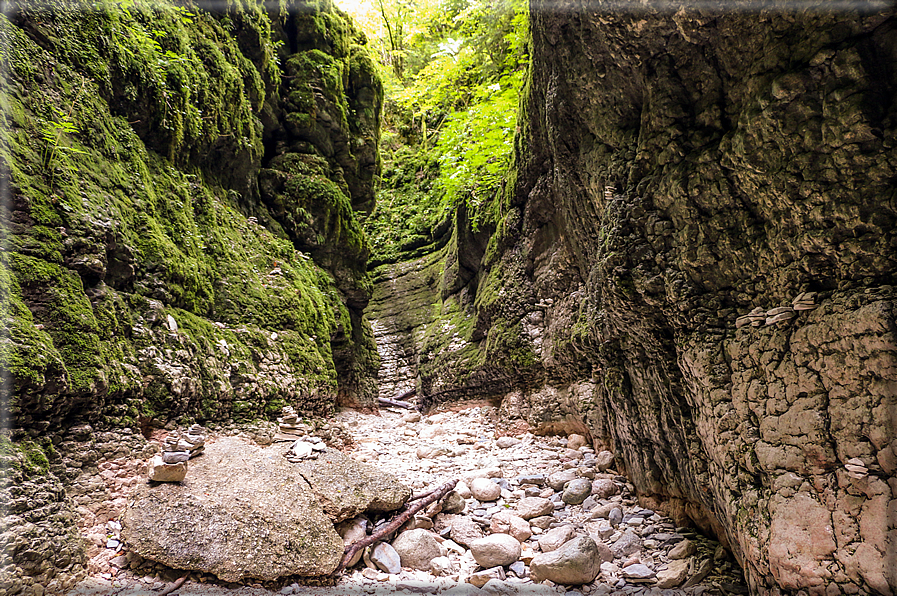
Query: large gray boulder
[(346, 488), (576, 562), (244, 511)]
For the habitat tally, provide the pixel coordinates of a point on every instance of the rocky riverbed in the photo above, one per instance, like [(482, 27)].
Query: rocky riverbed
[(530, 514)]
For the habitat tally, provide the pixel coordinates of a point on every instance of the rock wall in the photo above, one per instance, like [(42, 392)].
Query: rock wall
[(180, 231), (179, 236), (676, 170), (695, 166)]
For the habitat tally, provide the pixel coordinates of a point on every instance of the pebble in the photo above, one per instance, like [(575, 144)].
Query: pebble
[(506, 442), (577, 491), (495, 550), (684, 549), (386, 558)]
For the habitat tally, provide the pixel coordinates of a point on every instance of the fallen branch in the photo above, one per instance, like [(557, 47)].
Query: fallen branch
[(395, 524), (396, 403), (174, 585), (423, 495)]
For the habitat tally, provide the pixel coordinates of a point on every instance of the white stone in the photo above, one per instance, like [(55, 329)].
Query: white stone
[(301, 449), (386, 558), (484, 489), (159, 471), (675, 573), (495, 550)]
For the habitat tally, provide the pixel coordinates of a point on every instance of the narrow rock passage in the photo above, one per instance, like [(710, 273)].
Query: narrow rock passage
[(532, 515)]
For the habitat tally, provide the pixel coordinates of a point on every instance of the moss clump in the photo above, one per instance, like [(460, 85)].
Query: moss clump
[(26, 457)]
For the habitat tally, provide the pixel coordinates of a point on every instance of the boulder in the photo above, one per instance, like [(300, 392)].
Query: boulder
[(347, 488), (505, 522), (465, 530), (675, 573), (683, 550), (576, 562), (453, 502), (484, 489), (603, 511), (577, 491), (417, 548), (530, 507), (627, 544), (615, 516), (604, 460), (553, 539), (558, 480), (603, 488), (575, 441), (543, 522), (272, 519), (495, 550)]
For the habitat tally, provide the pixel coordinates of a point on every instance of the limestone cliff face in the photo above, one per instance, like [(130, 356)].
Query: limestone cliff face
[(674, 171), (678, 170)]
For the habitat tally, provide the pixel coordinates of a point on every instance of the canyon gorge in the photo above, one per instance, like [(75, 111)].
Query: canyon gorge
[(691, 261)]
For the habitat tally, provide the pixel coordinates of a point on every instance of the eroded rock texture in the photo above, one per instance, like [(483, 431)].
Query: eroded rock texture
[(689, 167), (181, 236), (675, 170)]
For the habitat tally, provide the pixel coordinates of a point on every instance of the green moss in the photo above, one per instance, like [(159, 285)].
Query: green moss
[(148, 96), (28, 457)]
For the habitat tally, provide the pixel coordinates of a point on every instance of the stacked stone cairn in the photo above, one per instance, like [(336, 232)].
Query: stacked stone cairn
[(177, 449), (307, 447), (780, 314), (289, 422), (194, 442)]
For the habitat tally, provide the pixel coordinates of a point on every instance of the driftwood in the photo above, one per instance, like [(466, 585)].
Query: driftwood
[(426, 494), (397, 522), (174, 586), (396, 403)]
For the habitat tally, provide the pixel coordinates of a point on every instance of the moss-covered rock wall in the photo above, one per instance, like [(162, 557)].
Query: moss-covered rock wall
[(176, 245), (179, 229)]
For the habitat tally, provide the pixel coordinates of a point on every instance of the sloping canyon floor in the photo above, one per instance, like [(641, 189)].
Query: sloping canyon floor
[(651, 556)]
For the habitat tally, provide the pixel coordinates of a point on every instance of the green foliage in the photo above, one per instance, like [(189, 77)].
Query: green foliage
[(451, 118), (475, 147)]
